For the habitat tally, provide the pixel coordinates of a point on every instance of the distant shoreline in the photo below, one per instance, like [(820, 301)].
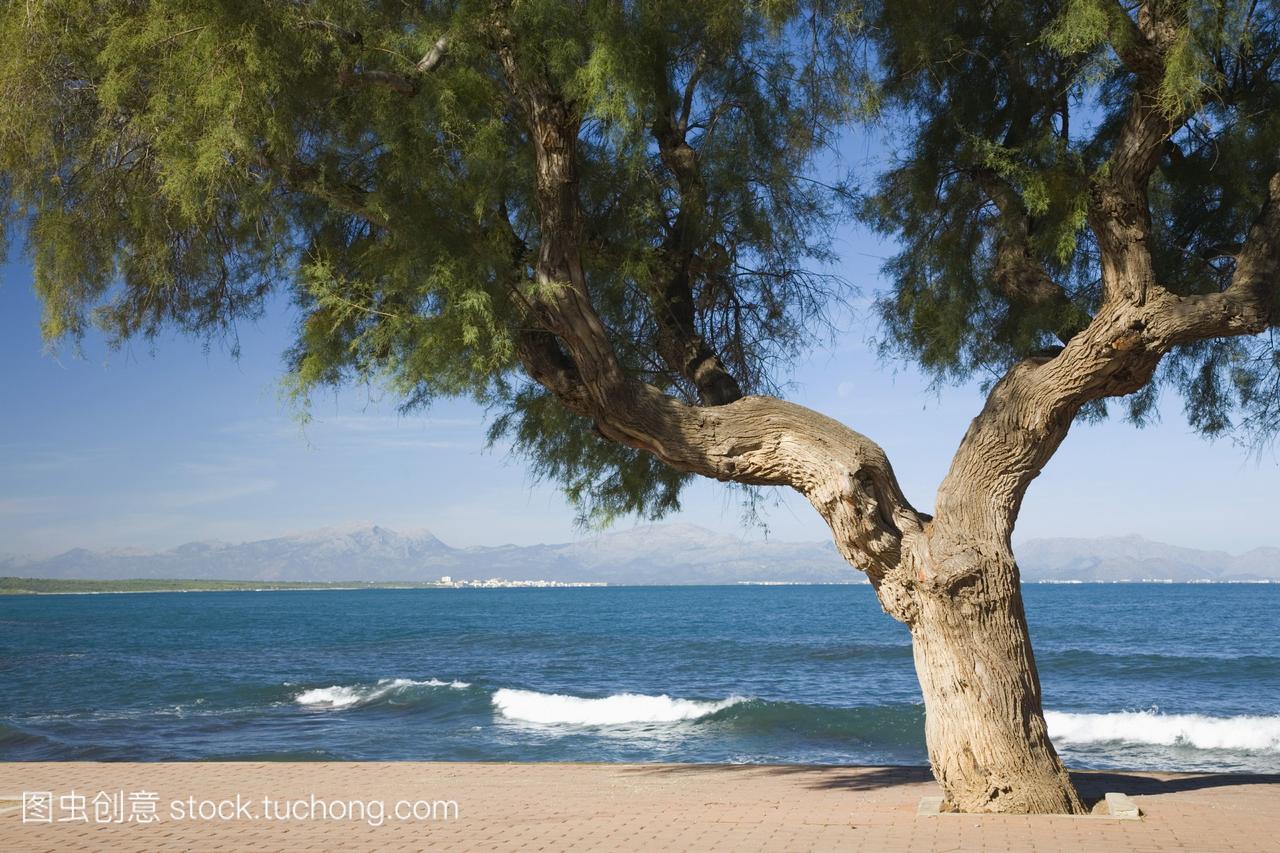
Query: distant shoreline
[(124, 586), (78, 586), (58, 586), (643, 556)]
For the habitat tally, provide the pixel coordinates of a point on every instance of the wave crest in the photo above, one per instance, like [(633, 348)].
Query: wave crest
[(1247, 733), (620, 709), (341, 696)]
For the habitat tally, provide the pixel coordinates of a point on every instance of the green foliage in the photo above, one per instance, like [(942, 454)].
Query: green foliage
[(1187, 76), (177, 162), (1081, 26), (1034, 95), (604, 480)]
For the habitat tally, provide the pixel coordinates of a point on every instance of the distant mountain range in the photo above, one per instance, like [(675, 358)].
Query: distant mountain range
[(1133, 558), (657, 554)]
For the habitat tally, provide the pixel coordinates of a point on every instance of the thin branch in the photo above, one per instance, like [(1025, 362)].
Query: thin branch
[(405, 84), (181, 33), (1119, 211), (1018, 274), (434, 56)]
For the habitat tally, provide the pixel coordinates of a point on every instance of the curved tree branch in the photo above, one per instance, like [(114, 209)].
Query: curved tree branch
[(1021, 278), (311, 179), (682, 347), (405, 84), (1028, 413), (1119, 213), (752, 440), (1249, 304)]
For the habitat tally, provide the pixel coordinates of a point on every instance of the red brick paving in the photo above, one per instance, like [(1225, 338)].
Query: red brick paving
[(610, 807)]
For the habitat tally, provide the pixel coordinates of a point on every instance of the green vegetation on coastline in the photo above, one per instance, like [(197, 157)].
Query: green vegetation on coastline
[(39, 586)]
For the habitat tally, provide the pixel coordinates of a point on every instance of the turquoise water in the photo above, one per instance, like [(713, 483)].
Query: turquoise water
[(1145, 676)]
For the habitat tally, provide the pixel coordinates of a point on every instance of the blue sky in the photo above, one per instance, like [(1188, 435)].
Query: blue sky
[(156, 445)]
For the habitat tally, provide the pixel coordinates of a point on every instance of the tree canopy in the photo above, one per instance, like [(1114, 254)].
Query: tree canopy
[(174, 163), (1018, 109)]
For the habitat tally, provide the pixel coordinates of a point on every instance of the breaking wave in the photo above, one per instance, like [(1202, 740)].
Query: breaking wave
[(873, 725), (620, 709), (1243, 733), (339, 696)]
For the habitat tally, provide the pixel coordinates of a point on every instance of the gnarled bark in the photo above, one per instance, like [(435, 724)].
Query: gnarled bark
[(988, 743)]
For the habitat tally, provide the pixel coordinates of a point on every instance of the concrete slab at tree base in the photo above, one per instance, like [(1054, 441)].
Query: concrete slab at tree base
[(929, 806), (1113, 806), (1120, 807)]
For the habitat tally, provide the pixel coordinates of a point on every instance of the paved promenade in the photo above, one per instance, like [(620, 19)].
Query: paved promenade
[(606, 807)]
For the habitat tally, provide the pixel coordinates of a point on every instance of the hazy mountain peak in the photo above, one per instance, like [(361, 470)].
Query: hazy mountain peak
[(338, 531), (649, 534)]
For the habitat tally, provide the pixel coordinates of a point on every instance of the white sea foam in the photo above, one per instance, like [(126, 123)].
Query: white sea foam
[(348, 696), (620, 709), (1245, 733)]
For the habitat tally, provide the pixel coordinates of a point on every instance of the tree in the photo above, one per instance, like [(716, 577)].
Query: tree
[(606, 219)]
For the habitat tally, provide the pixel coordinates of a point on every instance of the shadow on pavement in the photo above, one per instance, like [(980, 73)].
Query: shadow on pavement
[(1092, 784)]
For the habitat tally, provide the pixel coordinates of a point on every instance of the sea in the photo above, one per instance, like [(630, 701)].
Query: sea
[(1140, 676)]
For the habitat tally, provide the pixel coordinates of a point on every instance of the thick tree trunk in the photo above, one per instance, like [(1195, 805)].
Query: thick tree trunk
[(950, 578), (985, 729)]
